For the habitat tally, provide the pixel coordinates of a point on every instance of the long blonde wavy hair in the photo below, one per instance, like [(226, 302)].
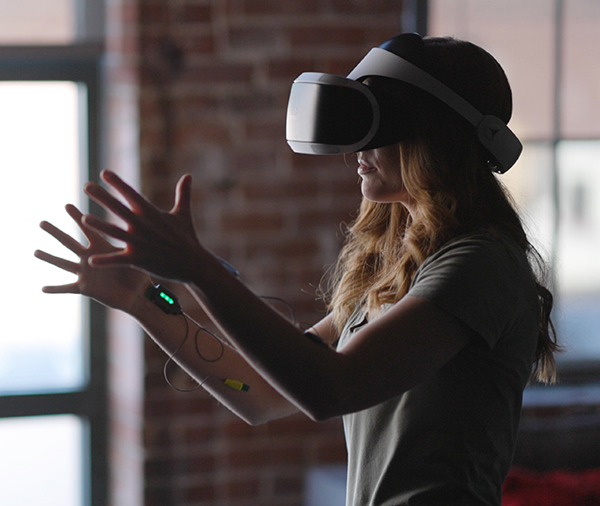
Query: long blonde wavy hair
[(447, 173)]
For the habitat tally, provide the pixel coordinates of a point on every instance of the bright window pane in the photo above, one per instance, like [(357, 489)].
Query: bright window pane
[(530, 184), (577, 270), (41, 461), (577, 267), (41, 343), (37, 21)]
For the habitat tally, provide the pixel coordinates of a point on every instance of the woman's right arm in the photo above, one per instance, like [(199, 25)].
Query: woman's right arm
[(181, 340), (124, 289)]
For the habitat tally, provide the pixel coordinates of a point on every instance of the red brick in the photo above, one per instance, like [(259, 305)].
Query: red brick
[(331, 452), (290, 249), (288, 68), (311, 219), (347, 184), (156, 434), (237, 429), (247, 489), (274, 7), (329, 34), (251, 222), (199, 493), (194, 13), (218, 73), (275, 454), (288, 190), (368, 7), (197, 435), (264, 129), (153, 13), (171, 406), (159, 495), (287, 485), (179, 463), (249, 102), (197, 44), (254, 38), (251, 161)]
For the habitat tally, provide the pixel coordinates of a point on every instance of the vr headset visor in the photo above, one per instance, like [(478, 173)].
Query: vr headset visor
[(330, 114)]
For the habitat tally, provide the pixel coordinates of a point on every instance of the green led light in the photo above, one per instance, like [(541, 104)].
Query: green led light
[(167, 298)]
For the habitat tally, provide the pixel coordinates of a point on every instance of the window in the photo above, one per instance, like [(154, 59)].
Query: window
[(53, 421), (546, 50)]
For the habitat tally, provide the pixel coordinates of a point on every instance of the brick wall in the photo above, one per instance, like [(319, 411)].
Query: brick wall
[(212, 79)]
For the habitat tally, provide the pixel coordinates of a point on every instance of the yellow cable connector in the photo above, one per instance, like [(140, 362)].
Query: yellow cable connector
[(237, 385)]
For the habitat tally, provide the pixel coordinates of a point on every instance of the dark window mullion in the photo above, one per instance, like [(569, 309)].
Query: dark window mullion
[(45, 404)]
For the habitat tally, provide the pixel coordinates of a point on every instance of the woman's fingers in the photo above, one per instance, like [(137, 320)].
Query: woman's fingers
[(138, 214), (74, 213), (65, 239), (183, 196), (137, 201), (77, 217), (61, 263), (109, 259), (107, 228), (109, 202), (70, 288)]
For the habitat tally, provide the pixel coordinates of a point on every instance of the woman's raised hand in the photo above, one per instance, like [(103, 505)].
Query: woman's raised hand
[(156, 241), (117, 287)]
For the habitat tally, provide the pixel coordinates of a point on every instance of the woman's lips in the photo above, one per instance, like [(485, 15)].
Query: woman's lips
[(365, 169)]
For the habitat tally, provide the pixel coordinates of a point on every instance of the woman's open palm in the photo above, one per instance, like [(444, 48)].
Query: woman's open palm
[(116, 287), (163, 243)]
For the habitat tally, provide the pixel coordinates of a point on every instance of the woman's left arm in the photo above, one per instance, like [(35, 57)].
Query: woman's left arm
[(385, 358)]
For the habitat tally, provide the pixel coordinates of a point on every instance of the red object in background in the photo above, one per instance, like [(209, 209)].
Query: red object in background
[(553, 488)]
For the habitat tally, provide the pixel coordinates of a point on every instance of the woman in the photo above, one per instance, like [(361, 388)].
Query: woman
[(436, 315)]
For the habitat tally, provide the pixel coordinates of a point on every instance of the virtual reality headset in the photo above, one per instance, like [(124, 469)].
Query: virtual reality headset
[(329, 114)]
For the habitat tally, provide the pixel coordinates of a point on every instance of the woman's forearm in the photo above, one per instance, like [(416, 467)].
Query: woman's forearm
[(177, 337), (302, 370)]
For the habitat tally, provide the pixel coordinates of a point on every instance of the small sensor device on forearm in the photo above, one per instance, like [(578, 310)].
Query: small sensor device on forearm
[(165, 299)]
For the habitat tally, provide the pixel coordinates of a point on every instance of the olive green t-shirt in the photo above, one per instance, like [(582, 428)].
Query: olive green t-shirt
[(450, 440)]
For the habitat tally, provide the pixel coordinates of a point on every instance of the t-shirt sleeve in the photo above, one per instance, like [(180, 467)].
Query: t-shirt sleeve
[(480, 281)]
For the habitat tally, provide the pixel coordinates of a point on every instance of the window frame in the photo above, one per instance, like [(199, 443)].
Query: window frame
[(80, 63)]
